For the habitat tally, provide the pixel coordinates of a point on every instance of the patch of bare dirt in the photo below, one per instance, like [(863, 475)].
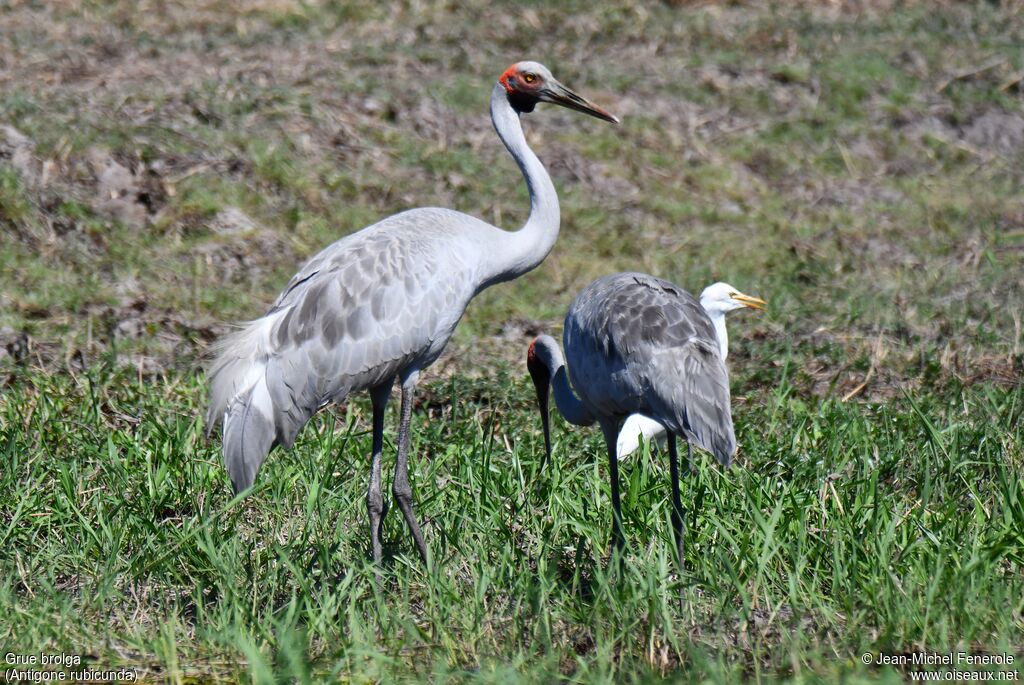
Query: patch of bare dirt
[(150, 340), (16, 149), (880, 250), (996, 131), (242, 250), (991, 131), (857, 194), (117, 186), (121, 192), (893, 363), (232, 221)]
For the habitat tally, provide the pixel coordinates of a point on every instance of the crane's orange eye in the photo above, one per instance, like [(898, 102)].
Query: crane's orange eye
[(529, 78)]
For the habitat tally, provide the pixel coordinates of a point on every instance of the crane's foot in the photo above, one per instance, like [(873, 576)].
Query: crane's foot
[(404, 500)]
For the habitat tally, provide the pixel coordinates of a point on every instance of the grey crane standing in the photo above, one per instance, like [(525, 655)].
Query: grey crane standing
[(717, 299), (637, 344), (379, 304)]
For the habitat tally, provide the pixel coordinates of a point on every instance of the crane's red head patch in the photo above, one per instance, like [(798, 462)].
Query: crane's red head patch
[(515, 80), (509, 74)]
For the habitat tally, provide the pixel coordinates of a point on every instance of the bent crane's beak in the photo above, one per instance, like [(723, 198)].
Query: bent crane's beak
[(542, 384), (558, 94), (750, 301)]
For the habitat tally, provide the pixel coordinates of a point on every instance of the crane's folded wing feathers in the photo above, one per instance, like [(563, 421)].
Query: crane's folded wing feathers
[(648, 346), (357, 312), (690, 386)]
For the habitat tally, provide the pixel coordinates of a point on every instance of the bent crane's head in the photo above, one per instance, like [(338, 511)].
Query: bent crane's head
[(720, 298), (528, 83), (542, 358)]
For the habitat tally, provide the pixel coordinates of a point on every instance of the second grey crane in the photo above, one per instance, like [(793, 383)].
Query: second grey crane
[(379, 304), (717, 299), (637, 344)]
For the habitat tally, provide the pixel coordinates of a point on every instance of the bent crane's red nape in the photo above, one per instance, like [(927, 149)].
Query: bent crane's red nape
[(509, 73), (538, 368)]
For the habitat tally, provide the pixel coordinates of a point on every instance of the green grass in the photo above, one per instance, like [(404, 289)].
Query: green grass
[(844, 528), (811, 155)]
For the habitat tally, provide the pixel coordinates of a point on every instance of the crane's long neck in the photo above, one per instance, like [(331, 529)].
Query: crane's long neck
[(569, 406), (514, 253)]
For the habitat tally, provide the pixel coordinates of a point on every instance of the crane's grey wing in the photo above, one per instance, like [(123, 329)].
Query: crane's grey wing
[(649, 347), (366, 312), (672, 347), (690, 385), (356, 314)]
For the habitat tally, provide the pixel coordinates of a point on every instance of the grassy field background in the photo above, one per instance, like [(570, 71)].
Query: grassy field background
[(166, 166)]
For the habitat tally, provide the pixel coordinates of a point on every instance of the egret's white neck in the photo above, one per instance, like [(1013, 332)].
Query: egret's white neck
[(512, 254), (717, 317)]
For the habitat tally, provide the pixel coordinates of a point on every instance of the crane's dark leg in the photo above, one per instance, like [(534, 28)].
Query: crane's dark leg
[(678, 522), (374, 500), (400, 486), (610, 431)]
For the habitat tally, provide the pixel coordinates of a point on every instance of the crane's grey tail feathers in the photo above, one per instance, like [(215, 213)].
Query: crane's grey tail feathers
[(241, 397), (249, 434), (263, 394), (711, 429), (240, 361), (722, 445), (690, 388), (259, 417)]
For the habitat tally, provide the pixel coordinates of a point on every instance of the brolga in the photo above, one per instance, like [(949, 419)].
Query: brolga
[(381, 304), (636, 344), (717, 299)]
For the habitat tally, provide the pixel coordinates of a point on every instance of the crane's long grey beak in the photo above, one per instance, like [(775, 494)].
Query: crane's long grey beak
[(542, 384), (545, 422), (558, 94)]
